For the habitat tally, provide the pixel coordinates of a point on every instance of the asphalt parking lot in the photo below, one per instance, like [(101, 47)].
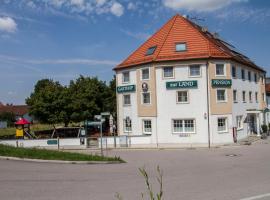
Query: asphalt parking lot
[(189, 174)]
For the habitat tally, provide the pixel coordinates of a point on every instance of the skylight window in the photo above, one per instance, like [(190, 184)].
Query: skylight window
[(180, 47), (151, 50)]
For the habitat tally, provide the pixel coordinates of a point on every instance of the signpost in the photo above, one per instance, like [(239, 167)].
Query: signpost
[(181, 84)]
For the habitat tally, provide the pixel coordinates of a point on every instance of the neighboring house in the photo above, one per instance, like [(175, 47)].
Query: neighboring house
[(267, 91), (20, 111), (185, 85)]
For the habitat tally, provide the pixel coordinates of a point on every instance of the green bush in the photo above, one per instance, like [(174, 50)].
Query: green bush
[(264, 128)]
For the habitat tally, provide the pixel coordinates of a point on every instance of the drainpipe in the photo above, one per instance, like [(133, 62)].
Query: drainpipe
[(208, 104)]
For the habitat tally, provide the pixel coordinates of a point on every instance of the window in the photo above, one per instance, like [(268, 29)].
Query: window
[(168, 72), (145, 74), (255, 78), (244, 96), (183, 126), (125, 77), (233, 72), (262, 79), (180, 47), (127, 125), (146, 98), (263, 97), (222, 124), (220, 70), (221, 95), (126, 99), (147, 126), (182, 97), (250, 97), (235, 96), (256, 97), (239, 122), (194, 70), (243, 73), (249, 75), (151, 50)]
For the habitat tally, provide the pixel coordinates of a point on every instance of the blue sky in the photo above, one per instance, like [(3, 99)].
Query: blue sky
[(61, 39)]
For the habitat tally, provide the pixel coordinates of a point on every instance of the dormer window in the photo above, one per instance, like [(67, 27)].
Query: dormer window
[(151, 50), (180, 47)]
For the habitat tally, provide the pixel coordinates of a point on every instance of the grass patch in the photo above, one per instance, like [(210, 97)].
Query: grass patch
[(45, 154)]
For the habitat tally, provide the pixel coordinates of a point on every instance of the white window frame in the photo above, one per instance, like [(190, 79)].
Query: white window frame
[(233, 66), (243, 78), (250, 96), (249, 76), (224, 70), (143, 126), (149, 98), (239, 119), (125, 127), (172, 77), (226, 125), (181, 43), (221, 101), (123, 79), (200, 70), (148, 74), (236, 99), (184, 102), (124, 99), (183, 123), (244, 100)]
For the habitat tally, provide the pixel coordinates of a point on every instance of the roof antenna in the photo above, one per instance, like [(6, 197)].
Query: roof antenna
[(196, 18)]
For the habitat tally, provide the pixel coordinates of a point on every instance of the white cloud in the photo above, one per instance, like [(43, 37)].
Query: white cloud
[(7, 24), (117, 9), (100, 2), (4, 58), (199, 5), (139, 36), (131, 6)]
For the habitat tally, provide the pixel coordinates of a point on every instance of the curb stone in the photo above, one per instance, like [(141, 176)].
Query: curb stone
[(58, 161)]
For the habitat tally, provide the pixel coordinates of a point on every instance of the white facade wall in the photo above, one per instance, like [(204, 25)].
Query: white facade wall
[(128, 111), (197, 108), (168, 109), (240, 108)]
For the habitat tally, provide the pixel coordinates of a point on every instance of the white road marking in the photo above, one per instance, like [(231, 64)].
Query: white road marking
[(257, 197)]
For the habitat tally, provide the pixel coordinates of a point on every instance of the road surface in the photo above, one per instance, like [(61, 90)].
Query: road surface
[(189, 174)]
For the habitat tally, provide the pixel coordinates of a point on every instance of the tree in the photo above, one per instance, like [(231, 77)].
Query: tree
[(9, 117), (81, 100), (46, 103), (87, 98)]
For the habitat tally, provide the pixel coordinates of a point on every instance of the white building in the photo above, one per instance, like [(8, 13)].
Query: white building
[(186, 86)]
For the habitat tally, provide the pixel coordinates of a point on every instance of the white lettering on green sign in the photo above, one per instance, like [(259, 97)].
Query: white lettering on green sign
[(126, 88), (221, 82), (181, 84)]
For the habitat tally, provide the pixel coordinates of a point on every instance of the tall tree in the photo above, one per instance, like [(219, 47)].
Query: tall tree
[(45, 102)]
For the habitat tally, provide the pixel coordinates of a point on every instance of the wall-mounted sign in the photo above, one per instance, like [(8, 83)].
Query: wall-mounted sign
[(145, 87), (221, 82), (181, 84), (52, 142), (126, 88)]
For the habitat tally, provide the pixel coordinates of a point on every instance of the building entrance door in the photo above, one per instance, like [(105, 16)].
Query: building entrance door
[(252, 125)]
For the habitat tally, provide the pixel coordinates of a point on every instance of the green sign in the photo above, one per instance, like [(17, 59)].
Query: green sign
[(51, 142), (126, 88), (221, 83), (181, 84)]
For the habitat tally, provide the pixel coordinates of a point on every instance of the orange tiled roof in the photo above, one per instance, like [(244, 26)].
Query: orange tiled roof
[(201, 44)]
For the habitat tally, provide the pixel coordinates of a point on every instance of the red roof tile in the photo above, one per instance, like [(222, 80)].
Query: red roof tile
[(18, 110), (201, 44), (267, 87)]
